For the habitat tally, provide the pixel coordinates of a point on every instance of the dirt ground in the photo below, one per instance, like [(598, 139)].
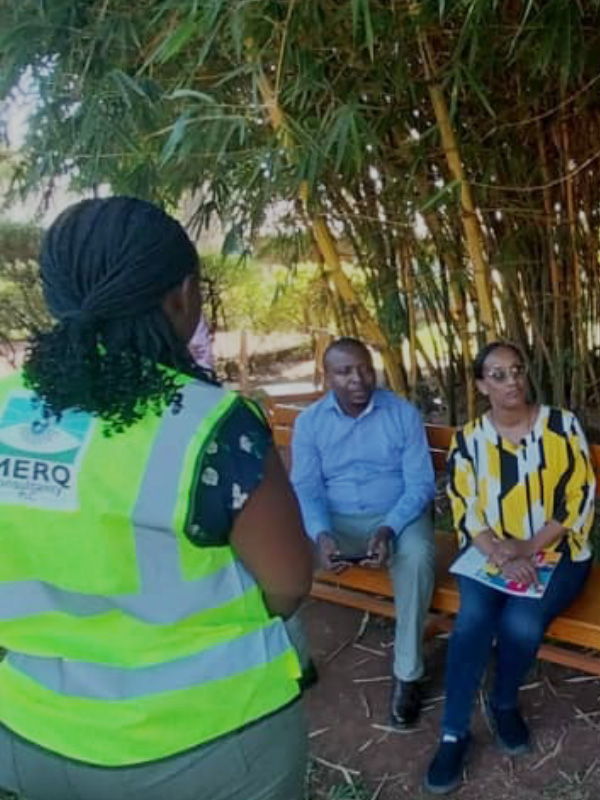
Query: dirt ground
[(356, 756)]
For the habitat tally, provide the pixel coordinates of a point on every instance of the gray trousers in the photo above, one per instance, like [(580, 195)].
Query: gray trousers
[(265, 761), (412, 569)]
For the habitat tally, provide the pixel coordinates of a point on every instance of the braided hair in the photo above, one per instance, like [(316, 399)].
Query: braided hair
[(106, 265)]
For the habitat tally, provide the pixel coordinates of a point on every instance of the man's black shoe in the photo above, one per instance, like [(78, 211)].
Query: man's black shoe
[(446, 770), (406, 703)]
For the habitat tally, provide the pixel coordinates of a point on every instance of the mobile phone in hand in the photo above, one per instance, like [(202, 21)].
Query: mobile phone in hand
[(339, 558)]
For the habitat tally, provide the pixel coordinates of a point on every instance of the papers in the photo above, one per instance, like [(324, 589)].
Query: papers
[(473, 564)]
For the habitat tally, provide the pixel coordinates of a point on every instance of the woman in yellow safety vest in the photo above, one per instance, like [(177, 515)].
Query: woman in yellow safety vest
[(151, 545)]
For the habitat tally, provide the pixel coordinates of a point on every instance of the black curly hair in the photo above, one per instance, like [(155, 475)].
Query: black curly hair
[(106, 266)]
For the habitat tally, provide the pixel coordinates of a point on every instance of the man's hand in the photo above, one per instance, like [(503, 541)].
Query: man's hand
[(379, 548), (326, 548), (520, 570)]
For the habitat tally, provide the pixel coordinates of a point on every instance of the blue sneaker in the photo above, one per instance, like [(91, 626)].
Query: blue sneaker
[(445, 772), (512, 733)]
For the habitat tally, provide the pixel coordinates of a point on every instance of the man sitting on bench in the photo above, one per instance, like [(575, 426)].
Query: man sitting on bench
[(363, 475)]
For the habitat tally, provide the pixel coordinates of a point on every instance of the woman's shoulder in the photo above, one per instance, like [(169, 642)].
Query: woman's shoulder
[(559, 420), (472, 429), (466, 440), (200, 386)]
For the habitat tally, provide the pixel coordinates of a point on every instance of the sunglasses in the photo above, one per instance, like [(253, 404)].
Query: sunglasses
[(501, 374)]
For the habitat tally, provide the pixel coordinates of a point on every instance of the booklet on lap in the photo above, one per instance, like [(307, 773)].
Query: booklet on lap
[(473, 564)]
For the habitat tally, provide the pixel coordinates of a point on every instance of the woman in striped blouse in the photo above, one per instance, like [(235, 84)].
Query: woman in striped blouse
[(520, 482)]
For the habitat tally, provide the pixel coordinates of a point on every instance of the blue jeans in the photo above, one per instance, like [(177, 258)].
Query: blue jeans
[(516, 623)]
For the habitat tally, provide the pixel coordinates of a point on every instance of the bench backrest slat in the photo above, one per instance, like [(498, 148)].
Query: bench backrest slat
[(300, 399), (439, 436), (285, 416), (282, 436), (282, 415)]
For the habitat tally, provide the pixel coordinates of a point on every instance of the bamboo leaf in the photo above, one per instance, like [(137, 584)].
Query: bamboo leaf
[(361, 16), (127, 84), (473, 82), (175, 41), (176, 136), (191, 94), (440, 196)]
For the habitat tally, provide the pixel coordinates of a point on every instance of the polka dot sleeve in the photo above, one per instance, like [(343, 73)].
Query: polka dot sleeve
[(229, 470)]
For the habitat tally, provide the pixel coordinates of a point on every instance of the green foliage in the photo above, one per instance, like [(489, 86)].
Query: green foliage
[(22, 308), (247, 104), (266, 298), (346, 791), (250, 294)]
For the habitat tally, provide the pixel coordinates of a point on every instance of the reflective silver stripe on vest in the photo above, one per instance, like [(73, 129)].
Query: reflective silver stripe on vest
[(163, 597), (112, 683), (28, 598)]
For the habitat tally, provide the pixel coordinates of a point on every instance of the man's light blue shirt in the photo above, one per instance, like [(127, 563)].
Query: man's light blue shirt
[(376, 463)]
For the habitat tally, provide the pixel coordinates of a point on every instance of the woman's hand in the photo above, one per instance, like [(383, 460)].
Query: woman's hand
[(505, 550), (520, 570)]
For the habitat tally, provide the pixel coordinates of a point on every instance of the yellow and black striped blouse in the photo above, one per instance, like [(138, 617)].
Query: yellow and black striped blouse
[(516, 489)]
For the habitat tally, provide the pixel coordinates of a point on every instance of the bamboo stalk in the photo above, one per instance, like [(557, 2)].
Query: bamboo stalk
[(579, 349), (409, 291), (327, 246), (470, 222), (433, 321), (458, 307), (367, 324), (558, 382), (449, 335)]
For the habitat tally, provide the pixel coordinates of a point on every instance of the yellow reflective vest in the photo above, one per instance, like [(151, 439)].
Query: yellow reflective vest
[(125, 643)]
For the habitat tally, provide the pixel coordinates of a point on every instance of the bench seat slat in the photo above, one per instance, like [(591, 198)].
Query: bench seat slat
[(578, 625), (352, 599)]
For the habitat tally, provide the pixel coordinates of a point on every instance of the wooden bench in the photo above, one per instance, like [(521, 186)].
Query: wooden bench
[(371, 590), (282, 411)]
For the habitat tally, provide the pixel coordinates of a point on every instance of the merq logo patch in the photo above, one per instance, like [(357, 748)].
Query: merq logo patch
[(40, 458)]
